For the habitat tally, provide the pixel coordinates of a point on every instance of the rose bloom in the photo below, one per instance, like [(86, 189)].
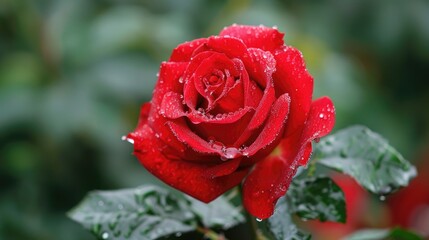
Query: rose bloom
[(229, 108)]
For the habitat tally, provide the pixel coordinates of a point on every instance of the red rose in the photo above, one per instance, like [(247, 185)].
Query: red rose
[(221, 106)]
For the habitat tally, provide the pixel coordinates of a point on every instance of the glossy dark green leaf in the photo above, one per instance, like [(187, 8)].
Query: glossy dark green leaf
[(384, 234), (367, 157), (281, 226), (317, 198), (149, 212), (219, 213)]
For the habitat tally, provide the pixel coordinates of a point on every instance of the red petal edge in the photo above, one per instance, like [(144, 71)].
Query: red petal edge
[(271, 177), (185, 176), (262, 37)]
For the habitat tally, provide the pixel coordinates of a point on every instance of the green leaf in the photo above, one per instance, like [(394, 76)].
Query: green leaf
[(217, 214), (380, 234), (367, 157), (317, 198), (149, 212), (281, 226)]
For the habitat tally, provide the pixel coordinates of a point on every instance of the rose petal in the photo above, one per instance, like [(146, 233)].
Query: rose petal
[(223, 169), (277, 171), (320, 122), (253, 94), (171, 106), (144, 113), (182, 132), (263, 62), (197, 144), (262, 37), (223, 130), (267, 182), (184, 51), (231, 101), (232, 47), (261, 67), (190, 93), (216, 62), (169, 75), (199, 118), (292, 77), (185, 176), (273, 126)]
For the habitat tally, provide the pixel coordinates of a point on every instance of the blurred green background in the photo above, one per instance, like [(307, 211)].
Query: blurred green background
[(73, 74)]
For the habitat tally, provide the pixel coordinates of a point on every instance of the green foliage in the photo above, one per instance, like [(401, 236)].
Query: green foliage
[(281, 225), (317, 198), (367, 157), (309, 198), (150, 212)]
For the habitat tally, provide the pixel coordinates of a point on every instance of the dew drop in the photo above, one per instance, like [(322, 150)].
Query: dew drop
[(382, 198), (105, 235), (258, 220), (201, 111), (230, 153), (178, 234), (130, 140), (321, 115)]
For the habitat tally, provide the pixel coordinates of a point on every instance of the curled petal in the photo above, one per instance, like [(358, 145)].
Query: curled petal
[(291, 77), (188, 177), (320, 122), (184, 51), (196, 143), (171, 106), (262, 37), (273, 127), (169, 75), (196, 117), (185, 135), (275, 173), (223, 169), (232, 99), (223, 130), (267, 182), (232, 47), (265, 64)]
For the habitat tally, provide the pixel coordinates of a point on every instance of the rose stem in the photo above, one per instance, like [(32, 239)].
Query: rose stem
[(210, 234)]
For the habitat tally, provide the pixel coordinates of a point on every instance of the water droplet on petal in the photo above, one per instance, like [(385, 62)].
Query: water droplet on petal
[(258, 220), (130, 140), (230, 153)]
